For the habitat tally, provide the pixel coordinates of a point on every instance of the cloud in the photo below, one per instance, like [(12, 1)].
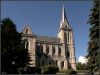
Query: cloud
[(82, 59)]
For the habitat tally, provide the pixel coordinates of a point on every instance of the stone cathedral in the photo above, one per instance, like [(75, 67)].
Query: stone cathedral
[(44, 50)]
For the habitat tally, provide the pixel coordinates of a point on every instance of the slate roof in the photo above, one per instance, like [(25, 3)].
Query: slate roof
[(48, 39)]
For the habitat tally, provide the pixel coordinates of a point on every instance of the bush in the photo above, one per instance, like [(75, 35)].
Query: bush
[(33, 70), (29, 70), (81, 66), (89, 72), (82, 71), (72, 72), (63, 71), (50, 69)]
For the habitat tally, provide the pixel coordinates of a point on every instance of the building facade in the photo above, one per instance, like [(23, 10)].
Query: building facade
[(44, 50)]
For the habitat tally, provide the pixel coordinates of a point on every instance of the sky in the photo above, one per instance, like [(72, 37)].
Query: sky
[(44, 18)]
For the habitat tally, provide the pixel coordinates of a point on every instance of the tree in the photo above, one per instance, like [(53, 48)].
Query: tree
[(93, 45), (10, 40), (13, 55), (81, 66), (50, 69)]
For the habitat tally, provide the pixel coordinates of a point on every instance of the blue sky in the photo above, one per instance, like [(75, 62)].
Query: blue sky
[(44, 18)]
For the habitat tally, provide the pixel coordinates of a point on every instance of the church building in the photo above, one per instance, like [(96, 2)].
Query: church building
[(44, 50)]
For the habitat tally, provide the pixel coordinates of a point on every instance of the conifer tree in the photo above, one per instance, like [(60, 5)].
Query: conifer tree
[(13, 55), (93, 45)]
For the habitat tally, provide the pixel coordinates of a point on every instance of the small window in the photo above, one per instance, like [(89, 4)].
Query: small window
[(53, 51), (49, 62), (62, 64), (26, 45), (59, 51), (26, 31), (47, 50), (42, 62)]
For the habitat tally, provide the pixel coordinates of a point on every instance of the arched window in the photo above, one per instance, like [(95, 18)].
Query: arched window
[(47, 50), (26, 44), (41, 48), (53, 51), (62, 64), (68, 37), (68, 54), (59, 51)]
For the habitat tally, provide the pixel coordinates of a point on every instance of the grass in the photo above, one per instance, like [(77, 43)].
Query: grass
[(65, 71)]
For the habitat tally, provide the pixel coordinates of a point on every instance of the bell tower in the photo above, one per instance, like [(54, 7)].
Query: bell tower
[(65, 34)]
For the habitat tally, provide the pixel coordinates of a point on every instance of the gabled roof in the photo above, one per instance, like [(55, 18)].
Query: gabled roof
[(27, 30), (48, 39)]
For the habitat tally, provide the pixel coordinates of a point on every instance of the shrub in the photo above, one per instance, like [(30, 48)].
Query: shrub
[(82, 71), (50, 69), (33, 70), (29, 70), (63, 71), (89, 72), (72, 72)]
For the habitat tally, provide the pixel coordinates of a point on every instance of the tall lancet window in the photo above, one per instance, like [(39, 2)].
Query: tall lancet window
[(59, 51), (68, 37), (53, 51), (26, 45), (68, 55), (47, 50)]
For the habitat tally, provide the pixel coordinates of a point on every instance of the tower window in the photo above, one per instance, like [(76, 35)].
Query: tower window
[(47, 50), (68, 37), (53, 51), (68, 54), (59, 51)]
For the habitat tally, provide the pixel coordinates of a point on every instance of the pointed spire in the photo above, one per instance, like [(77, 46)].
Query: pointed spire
[(64, 18), (63, 14)]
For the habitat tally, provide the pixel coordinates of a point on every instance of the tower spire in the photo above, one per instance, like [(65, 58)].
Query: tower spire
[(63, 13), (63, 17)]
